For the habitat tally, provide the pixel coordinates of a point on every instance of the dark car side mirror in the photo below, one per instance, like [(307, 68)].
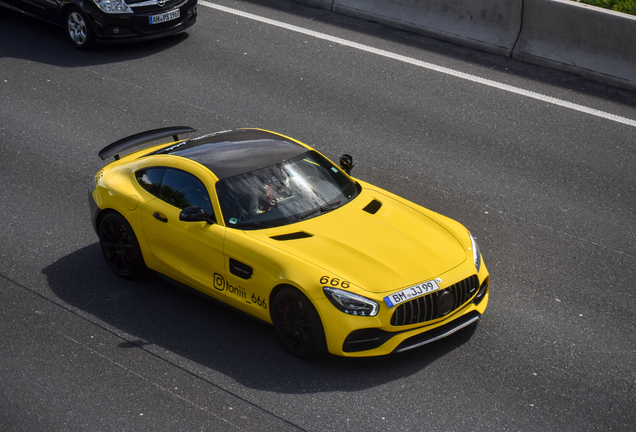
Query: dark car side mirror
[(346, 163), (194, 214)]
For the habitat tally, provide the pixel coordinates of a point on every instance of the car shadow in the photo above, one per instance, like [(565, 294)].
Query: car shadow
[(156, 313), (27, 38)]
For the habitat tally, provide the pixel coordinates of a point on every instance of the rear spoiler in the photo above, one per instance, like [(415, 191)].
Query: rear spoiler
[(141, 138)]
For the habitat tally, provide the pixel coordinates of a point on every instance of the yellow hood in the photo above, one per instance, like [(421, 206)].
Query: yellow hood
[(394, 247)]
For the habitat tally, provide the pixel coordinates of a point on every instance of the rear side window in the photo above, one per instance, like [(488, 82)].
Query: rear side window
[(176, 187), (150, 179)]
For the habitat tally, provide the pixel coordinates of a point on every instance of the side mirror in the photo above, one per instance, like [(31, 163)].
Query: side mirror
[(346, 163), (194, 214)]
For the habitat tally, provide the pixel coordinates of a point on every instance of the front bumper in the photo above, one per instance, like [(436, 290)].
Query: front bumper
[(136, 27), (383, 335)]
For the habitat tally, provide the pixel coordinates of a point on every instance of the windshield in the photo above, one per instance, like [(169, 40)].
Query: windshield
[(292, 190)]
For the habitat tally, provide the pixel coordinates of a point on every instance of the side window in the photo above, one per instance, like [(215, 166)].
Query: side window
[(175, 187), (150, 179), (184, 190)]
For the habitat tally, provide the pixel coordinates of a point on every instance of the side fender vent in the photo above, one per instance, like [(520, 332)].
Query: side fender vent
[(292, 236), (239, 269), (373, 207)]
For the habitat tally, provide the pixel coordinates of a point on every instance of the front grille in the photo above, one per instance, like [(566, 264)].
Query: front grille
[(425, 308), (155, 7)]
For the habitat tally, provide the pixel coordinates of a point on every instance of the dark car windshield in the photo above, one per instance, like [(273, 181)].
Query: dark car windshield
[(289, 191)]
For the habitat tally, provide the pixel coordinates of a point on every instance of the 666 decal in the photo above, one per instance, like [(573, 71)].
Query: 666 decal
[(411, 293)]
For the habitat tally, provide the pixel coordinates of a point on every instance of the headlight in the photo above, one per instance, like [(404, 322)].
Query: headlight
[(476, 254), (352, 304), (113, 6)]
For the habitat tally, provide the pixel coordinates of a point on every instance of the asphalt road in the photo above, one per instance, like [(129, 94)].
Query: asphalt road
[(549, 191)]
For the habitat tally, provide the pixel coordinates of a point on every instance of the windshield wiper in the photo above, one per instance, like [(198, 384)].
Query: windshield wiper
[(322, 209)]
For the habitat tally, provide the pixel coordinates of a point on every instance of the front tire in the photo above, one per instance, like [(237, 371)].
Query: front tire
[(78, 29), (120, 247), (298, 324)]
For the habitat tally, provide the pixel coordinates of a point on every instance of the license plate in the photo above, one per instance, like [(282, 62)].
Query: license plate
[(167, 16), (410, 293)]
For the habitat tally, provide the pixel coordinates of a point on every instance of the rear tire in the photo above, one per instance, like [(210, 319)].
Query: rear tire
[(298, 324), (120, 247), (78, 29)]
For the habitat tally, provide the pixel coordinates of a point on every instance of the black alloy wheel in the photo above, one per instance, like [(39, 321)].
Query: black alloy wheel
[(298, 324), (78, 29), (119, 246)]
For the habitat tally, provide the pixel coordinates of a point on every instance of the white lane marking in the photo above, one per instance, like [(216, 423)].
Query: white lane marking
[(425, 65), (142, 377)]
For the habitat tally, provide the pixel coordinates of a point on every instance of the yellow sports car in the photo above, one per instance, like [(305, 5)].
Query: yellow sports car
[(269, 226)]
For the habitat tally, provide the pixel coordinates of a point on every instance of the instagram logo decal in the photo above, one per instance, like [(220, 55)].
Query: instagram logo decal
[(219, 282)]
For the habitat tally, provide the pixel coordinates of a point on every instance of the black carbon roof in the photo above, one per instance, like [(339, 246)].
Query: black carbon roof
[(235, 152)]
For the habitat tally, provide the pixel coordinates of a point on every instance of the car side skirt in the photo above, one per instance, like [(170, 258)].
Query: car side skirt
[(207, 297)]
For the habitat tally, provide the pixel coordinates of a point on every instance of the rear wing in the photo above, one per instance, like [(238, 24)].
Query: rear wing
[(141, 138)]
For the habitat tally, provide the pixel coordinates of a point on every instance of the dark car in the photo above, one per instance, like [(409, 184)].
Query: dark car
[(89, 21)]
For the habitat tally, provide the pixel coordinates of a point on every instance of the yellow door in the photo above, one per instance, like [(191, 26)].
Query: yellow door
[(191, 252)]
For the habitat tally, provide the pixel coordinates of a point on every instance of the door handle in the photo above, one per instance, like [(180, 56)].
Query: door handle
[(161, 218)]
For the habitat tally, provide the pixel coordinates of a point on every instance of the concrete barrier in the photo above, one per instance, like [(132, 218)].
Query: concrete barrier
[(489, 25), (595, 43), (589, 41)]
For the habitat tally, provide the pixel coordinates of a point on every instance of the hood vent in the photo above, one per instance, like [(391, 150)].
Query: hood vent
[(373, 207), (292, 236)]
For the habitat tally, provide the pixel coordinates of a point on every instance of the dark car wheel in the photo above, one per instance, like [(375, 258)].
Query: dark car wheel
[(120, 247), (78, 29), (298, 324)]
